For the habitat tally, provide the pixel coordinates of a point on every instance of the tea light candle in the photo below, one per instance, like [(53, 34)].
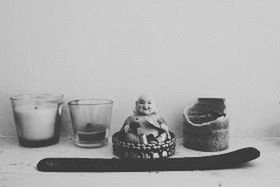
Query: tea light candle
[(92, 132), (36, 122)]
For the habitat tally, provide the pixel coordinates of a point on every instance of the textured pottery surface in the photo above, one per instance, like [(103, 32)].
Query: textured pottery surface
[(205, 125)]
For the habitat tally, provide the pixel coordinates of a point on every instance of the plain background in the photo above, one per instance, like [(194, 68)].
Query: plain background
[(176, 50)]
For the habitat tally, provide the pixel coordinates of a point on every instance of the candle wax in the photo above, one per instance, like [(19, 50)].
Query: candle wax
[(36, 122), (92, 132)]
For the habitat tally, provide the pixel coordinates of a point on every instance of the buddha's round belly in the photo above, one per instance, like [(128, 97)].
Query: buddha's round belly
[(147, 131)]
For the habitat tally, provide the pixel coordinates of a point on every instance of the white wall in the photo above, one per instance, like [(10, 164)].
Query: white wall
[(175, 50)]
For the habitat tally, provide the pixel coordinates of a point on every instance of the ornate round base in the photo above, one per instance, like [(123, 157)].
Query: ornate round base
[(125, 149)]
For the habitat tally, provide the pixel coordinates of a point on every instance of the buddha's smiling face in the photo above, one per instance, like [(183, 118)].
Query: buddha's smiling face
[(145, 105)]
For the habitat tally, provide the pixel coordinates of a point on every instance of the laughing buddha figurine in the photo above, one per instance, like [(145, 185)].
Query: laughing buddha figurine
[(145, 126)]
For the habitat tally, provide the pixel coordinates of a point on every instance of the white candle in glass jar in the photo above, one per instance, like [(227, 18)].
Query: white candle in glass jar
[(36, 122)]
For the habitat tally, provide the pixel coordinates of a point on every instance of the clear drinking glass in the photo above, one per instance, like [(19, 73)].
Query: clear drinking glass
[(37, 118), (91, 119)]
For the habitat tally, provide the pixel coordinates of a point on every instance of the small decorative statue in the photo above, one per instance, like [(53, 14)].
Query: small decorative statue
[(145, 134), (145, 126)]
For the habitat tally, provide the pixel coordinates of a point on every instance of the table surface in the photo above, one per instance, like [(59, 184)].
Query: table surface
[(18, 166)]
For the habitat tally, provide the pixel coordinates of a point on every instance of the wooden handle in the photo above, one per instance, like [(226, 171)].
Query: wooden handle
[(221, 161)]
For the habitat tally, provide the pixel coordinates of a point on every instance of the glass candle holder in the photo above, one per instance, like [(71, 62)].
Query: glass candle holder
[(37, 118), (91, 119)]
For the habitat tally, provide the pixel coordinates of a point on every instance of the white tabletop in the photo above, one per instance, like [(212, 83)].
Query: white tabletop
[(18, 166)]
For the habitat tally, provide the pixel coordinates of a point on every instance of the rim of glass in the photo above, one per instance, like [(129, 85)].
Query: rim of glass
[(37, 96), (212, 98), (90, 102)]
